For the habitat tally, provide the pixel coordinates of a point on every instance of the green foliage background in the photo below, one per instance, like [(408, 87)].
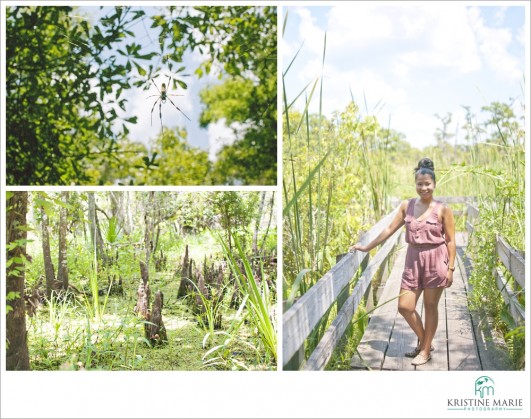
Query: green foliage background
[(66, 80)]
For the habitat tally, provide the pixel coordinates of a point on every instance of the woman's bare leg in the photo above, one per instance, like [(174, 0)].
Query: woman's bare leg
[(407, 303), (431, 318)]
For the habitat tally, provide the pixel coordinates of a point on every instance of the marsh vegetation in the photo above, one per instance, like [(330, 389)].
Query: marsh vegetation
[(143, 280)]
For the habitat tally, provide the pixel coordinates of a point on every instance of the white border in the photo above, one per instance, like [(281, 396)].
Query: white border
[(279, 194), (246, 394)]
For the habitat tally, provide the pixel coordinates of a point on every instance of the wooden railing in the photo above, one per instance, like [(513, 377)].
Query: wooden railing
[(513, 261), (301, 319), (471, 218), (305, 315)]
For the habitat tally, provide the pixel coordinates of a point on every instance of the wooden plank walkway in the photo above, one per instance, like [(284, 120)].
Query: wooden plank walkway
[(388, 336)]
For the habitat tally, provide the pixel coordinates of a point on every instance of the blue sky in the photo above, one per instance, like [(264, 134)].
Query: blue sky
[(418, 58), (209, 139)]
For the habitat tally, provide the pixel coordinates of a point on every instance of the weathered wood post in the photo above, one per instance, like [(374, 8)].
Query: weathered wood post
[(185, 275), (295, 362), (155, 330)]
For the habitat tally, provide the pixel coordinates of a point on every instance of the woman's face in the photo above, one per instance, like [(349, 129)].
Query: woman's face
[(425, 185)]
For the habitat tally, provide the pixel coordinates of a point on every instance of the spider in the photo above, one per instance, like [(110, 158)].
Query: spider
[(161, 98)]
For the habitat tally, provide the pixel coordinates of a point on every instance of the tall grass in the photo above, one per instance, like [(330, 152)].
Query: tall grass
[(59, 310), (92, 303), (259, 298), (500, 167), (305, 211), (337, 176), (223, 354), (212, 309)]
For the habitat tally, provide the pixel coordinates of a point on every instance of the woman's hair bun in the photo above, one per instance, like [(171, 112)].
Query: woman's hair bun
[(425, 163)]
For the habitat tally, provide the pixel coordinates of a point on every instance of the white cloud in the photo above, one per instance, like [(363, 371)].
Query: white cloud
[(440, 38), (219, 135), (499, 16), (357, 24), (288, 51), (400, 69), (312, 35), (493, 44), (418, 127), (521, 37), (338, 85), (434, 35), (418, 58)]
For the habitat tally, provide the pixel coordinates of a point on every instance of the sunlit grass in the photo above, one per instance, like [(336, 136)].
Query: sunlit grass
[(78, 331), (63, 337)]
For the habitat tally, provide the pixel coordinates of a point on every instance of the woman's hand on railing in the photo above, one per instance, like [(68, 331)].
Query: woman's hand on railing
[(358, 247)]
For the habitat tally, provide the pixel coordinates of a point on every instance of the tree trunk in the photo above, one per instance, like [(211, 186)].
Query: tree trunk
[(49, 269), (121, 211), (62, 269), (95, 231), (228, 227), (149, 225), (156, 240), (17, 355), (258, 222), (183, 286), (143, 293), (272, 208), (199, 307)]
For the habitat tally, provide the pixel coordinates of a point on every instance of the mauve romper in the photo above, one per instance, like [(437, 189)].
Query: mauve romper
[(427, 255)]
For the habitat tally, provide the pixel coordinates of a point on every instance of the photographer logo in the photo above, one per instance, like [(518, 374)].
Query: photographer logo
[(484, 387), (486, 398)]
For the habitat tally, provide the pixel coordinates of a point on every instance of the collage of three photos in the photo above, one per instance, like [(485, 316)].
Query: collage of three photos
[(224, 188)]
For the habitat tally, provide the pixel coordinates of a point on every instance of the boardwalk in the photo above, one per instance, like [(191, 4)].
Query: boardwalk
[(388, 336), (465, 340)]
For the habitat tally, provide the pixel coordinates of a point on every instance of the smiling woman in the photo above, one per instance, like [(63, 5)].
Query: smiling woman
[(429, 266), (85, 119)]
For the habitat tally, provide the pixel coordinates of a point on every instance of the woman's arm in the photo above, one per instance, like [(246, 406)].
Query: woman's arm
[(387, 232), (449, 233)]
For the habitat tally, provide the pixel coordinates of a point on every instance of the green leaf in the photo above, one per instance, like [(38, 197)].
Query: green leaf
[(47, 206), (295, 286), (306, 183), (12, 295), (147, 56), (139, 68)]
